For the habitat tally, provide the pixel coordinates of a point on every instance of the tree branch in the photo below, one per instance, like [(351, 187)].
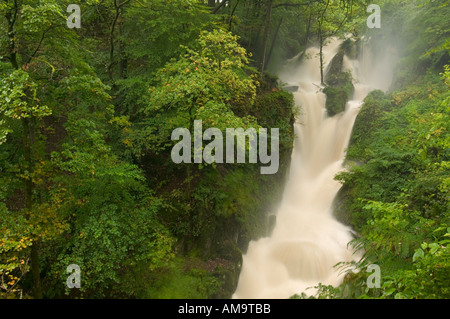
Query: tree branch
[(39, 45), (11, 18), (232, 14), (295, 4), (117, 6), (216, 9)]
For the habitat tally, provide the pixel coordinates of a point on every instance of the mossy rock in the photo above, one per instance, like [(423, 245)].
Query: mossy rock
[(351, 48), (369, 120), (339, 87), (228, 274), (334, 72), (337, 98), (273, 108)]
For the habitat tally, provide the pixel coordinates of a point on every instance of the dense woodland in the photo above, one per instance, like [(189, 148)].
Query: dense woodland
[(86, 116)]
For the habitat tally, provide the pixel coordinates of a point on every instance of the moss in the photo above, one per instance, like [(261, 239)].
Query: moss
[(369, 119), (184, 278), (337, 98), (274, 108), (334, 72)]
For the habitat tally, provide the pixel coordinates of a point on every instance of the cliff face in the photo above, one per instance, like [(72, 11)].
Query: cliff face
[(240, 199)]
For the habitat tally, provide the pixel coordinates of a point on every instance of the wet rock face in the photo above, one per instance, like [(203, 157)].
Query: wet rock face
[(292, 88), (333, 74)]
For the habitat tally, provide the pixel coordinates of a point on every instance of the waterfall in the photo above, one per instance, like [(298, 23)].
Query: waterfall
[(307, 241)]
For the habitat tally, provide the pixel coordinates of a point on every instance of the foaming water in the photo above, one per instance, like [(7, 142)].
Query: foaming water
[(307, 241)]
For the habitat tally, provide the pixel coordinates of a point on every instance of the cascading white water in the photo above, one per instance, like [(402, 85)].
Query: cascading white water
[(307, 241)]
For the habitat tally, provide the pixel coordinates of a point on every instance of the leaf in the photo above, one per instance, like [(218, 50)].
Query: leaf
[(400, 296), (418, 254), (389, 291), (433, 247)]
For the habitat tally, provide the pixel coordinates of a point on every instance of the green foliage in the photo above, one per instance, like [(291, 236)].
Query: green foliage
[(42, 16), (14, 241), (109, 242), (149, 34), (207, 82), (398, 190), (113, 223), (63, 189), (16, 100), (184, 279), (85, 123), (153, 31)]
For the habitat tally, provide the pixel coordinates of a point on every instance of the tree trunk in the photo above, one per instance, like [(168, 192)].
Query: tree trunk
[(308, 31), (274, 40), (123, 60), (321, 41), (35, 271), (214, 8), (257, 13), (321, 52), (232, 14), (28, 139), (11, 17), (266, 36), (118, 7)]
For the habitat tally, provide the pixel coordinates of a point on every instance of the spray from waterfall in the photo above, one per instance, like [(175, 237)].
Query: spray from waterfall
[(307, 241)]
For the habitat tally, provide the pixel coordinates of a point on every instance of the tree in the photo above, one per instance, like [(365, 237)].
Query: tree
[(27, 25), (56, 115), (208, 82)]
